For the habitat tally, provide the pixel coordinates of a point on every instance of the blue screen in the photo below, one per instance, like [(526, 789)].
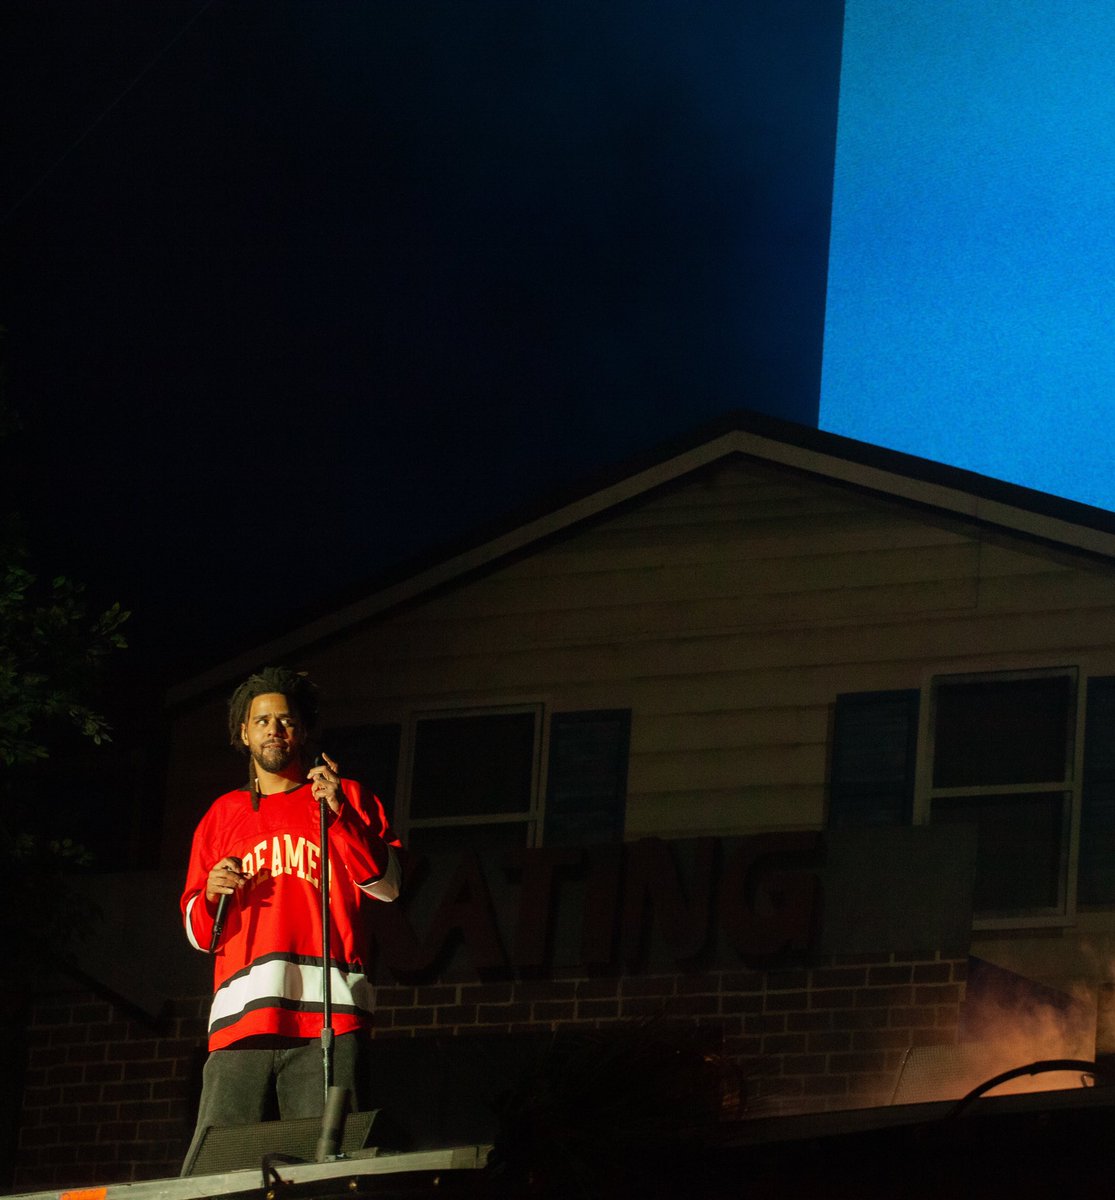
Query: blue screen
[(971, 295)]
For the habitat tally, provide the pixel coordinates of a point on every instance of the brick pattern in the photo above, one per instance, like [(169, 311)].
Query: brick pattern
[(821, 1037), (109, 1099)]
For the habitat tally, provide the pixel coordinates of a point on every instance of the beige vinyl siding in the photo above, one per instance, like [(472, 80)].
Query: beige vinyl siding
[(713, 813), (727, 611)]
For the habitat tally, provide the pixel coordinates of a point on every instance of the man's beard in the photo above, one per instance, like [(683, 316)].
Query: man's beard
[(275, 758)]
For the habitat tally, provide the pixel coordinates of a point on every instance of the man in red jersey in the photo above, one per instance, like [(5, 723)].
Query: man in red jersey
[(259, 846)]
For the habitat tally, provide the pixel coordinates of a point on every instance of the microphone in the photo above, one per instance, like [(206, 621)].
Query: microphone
[(222, 910), (219, 921)]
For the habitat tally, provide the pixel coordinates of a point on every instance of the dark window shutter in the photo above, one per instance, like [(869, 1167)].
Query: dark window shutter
[(874, 749), (1096, 874), (586, 791), (370, 755)]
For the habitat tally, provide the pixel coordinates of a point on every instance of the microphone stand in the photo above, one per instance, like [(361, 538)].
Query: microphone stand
[(326, 966), (336, 1099)]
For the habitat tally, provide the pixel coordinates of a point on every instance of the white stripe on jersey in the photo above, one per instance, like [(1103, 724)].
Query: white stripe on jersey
[(386, 887), (277, 979), (190, 924)]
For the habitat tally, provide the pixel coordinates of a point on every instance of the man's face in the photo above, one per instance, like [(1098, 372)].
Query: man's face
[(273, 732)]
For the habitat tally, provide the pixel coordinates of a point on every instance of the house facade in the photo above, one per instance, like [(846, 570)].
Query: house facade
[(778, 736)]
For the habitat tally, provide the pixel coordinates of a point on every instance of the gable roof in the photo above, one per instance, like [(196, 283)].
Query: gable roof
[(905, 478)]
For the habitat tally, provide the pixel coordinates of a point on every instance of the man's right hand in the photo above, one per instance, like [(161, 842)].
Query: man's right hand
[(224, 879)]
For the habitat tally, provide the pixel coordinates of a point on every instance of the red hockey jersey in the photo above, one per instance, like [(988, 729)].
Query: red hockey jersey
[(267, 967)]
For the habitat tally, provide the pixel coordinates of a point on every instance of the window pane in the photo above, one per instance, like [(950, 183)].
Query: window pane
[(1019, 850), (469, 766), (1003, 731)]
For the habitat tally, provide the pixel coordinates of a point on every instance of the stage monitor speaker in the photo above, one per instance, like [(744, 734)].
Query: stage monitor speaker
[(233, 1147)]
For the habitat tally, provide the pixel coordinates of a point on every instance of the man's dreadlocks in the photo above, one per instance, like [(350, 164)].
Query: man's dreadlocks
[(294, 685), (301, 694)]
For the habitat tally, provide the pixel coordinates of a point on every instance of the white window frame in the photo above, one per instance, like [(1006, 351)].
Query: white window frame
[(532, 816), (1065, 912)]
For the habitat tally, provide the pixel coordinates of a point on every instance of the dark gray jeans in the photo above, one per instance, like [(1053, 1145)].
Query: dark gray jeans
[(236, 1083)]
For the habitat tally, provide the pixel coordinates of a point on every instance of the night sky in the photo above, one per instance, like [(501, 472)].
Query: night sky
[(296, 292), (971, 291)]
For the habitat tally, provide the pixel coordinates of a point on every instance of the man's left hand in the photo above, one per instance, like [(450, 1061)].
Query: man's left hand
[(326, 784)]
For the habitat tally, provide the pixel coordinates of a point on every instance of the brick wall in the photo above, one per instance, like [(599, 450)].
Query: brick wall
[(821, 1037), (110, 1098)]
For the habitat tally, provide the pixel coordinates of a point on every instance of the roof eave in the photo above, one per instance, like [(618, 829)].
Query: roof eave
[(886, 473)]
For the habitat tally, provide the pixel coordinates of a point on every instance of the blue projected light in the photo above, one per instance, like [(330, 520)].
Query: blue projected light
[(971, 296)]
